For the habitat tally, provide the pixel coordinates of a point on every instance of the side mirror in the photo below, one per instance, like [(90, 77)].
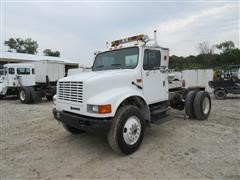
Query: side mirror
[(156, 68), (163, 69)]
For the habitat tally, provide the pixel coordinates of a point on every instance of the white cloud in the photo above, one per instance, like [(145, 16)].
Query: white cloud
[(183, 34), (77, 29), (178, 24)]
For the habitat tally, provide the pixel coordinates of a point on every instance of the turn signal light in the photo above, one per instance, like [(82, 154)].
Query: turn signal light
[(104, 109)]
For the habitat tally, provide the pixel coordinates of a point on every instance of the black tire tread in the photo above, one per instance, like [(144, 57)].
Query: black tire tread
[(28, 98), (199, 114), (116, 123), (189, 103)]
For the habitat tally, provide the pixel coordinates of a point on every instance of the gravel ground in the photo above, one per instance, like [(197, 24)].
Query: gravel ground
[(35, 146)]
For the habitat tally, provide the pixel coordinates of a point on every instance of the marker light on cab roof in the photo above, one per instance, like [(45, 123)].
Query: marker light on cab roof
[(139, 37)]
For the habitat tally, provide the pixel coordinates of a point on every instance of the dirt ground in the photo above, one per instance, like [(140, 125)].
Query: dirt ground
[(35, 146)]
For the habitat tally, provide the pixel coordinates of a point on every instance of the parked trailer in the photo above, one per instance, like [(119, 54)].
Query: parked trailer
[(31, 81)]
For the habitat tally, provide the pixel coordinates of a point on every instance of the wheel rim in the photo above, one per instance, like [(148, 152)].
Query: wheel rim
[(132, 130), (220, 94), (22, 95), (206, 105)]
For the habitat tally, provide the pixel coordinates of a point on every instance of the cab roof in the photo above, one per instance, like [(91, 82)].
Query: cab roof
[(22, 65)]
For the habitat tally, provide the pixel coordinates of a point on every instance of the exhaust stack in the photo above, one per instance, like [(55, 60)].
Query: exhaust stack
[(155, 38)]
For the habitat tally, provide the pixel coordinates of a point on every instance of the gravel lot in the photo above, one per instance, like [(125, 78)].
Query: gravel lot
[(35, 146)]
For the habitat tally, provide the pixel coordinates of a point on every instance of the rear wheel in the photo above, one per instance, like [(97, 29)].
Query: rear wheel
[(51, 93), (72, 130), (25, 95), (202, 105), (127, 130), (49, 98), (220, 94), (189, 103)]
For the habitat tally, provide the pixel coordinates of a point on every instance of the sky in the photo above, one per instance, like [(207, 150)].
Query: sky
[(78, 29)]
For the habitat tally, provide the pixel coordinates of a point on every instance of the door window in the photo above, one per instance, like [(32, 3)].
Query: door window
[(151, 59), (23, 70), (11, 70)]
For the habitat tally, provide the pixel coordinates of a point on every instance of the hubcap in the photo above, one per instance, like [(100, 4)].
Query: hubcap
[(132, 130), (220, 94), (206, 105), (22, 95)]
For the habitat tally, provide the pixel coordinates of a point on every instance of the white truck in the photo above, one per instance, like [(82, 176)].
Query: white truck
[(126, 90), (31, 81)]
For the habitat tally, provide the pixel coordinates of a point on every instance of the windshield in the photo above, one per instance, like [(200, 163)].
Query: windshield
[(117, 59)]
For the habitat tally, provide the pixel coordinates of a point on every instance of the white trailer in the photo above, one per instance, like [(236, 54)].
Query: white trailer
[(31, 81)]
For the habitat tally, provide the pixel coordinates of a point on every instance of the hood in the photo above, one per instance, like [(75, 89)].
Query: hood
[(84, 76)]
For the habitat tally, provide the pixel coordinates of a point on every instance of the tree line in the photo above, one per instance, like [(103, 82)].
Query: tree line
[(27, 46), (229, 55)]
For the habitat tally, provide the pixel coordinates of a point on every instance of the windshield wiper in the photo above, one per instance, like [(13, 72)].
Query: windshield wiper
[(99, 66), (117, 65)]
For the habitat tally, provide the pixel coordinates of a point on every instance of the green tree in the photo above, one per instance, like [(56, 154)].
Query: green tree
[(207, 59), (19, 45), (225, 46), (49, 52)]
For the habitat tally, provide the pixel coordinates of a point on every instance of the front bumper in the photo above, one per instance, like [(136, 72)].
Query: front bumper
[(80, 121)]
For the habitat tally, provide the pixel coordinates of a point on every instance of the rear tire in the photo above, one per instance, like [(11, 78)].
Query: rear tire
[(189, 104), (72, 130), (127, 130), (25, 95), (220, 94), (49, 98), (202, 105)]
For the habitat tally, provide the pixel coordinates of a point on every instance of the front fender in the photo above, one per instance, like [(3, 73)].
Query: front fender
[(115, 97)]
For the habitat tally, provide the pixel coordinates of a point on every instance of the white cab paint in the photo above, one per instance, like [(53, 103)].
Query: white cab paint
[(114, 86)]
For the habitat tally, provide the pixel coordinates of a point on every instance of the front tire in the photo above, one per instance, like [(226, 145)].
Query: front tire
[(127, 130), (25, 95)]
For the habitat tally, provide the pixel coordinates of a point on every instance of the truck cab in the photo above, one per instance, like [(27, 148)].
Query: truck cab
[(16, 75), (126, 89)]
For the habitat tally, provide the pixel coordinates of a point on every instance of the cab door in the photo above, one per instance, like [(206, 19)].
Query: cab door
[(10, 76), (155, 87)]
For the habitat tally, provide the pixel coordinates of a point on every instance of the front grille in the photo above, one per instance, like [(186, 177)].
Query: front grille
[(70, 91)]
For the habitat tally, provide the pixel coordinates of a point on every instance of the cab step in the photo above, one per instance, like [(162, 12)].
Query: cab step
[(159, 111), (161, 119)]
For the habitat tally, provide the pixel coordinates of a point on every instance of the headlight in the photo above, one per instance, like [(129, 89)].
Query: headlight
[(101, 109), (55, 99)]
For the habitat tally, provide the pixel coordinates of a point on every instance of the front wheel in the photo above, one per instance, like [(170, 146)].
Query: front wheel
[(127, 130), (25, 95)]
